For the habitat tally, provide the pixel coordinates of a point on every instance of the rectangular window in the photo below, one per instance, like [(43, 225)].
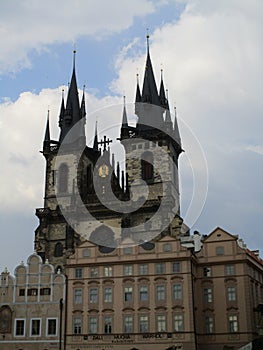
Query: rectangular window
[(160, 292), (32, 292), (94, 272), (220, 250), (128, 270), (128, 324), (209, 325), (143, 324), (52, 326), (86, 253), (127, 293), (108, 324), (143, 269), (107, 271), (207, 271), (93, 295), (127, 250), (21, 292), (93, 325), (167, 247), (231, 293), (176, 267), (160, 268), (143, 293), (108, 295), (208, 295), (45, 291), (161, 323), (77, 325), (178, 323), (230, 270), (177, 291), (19, 328), (233, 323), (78, 296), (35, 327), (78, 273)]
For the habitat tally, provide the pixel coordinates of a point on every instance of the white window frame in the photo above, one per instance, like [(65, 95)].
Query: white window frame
[(143, 293), (80, 325), (128, 290), (40, 325), (78, 272), (93, 295), (178, 320), (128, 326), (80, 296), (108, 295), (24, 333), (128, 270), (178, 267), (144, 322), (108, 271), (93, 324), (161, 323), (161, 292), (49, 319), (143, 269)]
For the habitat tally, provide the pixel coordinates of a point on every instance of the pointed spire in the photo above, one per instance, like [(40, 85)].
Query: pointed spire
[(124, 125), (167, 119), (176, 129), (46, 143), (83, 106), (62, 110), (47, 133), (95, 143), (163, 98), (149, 90), (73, 96), (138, 97), (124, 115)]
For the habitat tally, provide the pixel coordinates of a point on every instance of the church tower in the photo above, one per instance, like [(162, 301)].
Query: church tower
[(73, 172), (152, 150)]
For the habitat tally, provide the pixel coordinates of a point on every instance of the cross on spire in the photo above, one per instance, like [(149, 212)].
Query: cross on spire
[(104, 142)]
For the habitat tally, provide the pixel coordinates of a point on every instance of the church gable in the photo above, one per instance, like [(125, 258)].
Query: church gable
[(219, 235)]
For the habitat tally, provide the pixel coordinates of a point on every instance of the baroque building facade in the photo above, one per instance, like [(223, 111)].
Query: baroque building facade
[(32, 315)]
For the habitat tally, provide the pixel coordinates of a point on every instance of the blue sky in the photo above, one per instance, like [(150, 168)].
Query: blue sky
[(211, 53)]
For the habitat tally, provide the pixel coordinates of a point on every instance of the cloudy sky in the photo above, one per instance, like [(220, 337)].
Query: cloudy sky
[(211, 53)]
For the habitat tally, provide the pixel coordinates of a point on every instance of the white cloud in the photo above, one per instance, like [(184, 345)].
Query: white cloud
[(212, 60), (22, 130), (33, 25)]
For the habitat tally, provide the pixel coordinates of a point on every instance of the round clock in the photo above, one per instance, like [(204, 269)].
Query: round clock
[(103, 170)]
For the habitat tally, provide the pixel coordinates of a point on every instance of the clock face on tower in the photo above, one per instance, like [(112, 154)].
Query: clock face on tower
[(103, 170)]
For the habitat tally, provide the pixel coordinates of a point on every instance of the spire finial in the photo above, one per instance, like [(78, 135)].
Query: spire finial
[(147, 39), (63, 91), (124, 100), (74, 56)]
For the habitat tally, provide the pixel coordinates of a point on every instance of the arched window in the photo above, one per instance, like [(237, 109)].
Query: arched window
[(147, 166), (58, 251), (63, 178), (5, 319)]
